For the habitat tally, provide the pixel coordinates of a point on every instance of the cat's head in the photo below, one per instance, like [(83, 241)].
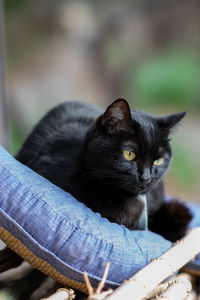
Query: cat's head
[(129, 149)]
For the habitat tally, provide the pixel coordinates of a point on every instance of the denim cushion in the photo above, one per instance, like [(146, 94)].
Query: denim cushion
[(66, 234)]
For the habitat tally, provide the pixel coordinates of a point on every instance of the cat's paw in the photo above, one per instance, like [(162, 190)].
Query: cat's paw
[(171, 220)]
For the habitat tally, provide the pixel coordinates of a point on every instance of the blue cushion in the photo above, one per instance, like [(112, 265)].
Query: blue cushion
[(66, 234)]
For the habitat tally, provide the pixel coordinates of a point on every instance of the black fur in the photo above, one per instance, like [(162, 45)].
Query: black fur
[(79, 147)]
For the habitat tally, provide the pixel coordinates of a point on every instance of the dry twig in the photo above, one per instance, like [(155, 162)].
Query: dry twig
[(98, 294)]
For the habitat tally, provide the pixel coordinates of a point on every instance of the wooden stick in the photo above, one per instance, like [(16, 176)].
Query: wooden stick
[(22, 288), (179, 288), (62, 294), (158, 290), (48, 287), (159, 269), (15, 273), (164, 286), (192, 296)]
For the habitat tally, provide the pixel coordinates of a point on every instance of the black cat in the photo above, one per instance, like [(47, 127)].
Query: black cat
[(106, 159)]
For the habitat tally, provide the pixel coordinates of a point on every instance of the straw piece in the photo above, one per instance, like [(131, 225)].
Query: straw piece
[(98, 294), (102, 282), (88, 284)]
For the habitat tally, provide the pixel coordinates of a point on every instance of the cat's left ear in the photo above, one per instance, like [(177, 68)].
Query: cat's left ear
[(117, 116), (169, 124)]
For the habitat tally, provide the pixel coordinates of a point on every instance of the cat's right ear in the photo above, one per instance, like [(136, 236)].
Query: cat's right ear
[(117, 116), (169, 123)]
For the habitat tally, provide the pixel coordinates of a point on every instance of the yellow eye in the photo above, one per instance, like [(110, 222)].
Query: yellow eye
[(159, 161), (129, 155)]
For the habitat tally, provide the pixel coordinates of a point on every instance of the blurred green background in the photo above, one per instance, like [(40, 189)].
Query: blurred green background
[(146, 51)]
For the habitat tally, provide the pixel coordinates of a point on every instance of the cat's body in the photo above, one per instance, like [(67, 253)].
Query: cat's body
[(80, 148)]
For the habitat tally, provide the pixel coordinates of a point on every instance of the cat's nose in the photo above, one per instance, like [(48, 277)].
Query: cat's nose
[(145, 179), (145, 176)]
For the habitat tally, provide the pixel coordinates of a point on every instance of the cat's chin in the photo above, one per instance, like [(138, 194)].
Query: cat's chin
[(140, 190), (144, 189)]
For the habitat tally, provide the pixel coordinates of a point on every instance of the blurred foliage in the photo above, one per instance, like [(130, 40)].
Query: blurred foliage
[(16, 137), (167, 80), (13, 5), (184, 168), (30, 25)]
